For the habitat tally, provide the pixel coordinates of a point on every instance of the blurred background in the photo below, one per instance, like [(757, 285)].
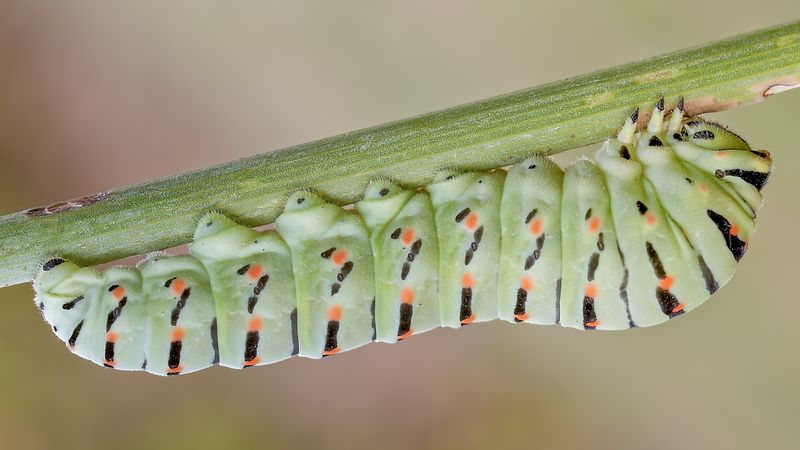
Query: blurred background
[(97, 94)]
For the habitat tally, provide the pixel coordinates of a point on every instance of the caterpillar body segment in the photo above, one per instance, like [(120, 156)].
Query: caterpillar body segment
[(646, 233), (64, 294), (467, 210), (251, 276), (405, 252), (333, 272), (593, 271), (124, 345), (182, 315), (653, 248), (529, 270)]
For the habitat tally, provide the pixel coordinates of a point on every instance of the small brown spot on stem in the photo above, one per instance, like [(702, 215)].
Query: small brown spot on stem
[(707, 104), (68, 205), (776, 86)]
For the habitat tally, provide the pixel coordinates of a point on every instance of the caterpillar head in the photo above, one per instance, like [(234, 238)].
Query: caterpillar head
[(60, 288), (724, 155), (712, 136)]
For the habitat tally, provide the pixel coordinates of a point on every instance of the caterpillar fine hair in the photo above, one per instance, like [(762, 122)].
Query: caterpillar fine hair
[(645, 234)]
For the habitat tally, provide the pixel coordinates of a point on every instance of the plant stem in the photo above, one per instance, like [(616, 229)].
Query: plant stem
[(486, 134)]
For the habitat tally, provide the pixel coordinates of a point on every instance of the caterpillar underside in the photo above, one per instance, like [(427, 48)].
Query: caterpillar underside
[(647, 233)]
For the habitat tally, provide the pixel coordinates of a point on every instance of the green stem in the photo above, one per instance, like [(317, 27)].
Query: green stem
[(490, 133)]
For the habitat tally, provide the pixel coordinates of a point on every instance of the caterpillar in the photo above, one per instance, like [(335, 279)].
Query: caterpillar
[(645, 233)]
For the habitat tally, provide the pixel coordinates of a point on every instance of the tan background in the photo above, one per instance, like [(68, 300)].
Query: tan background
[(94, 96)]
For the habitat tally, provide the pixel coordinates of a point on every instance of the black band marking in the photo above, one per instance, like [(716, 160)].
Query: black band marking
[(108, 357), (655, 261), (372, 315), (711, 284), (756, 179), (536, 254), (594, 261), (48, 266), (175, 354), (295, 340), (519, 307), (262, 282), (589, 314), (668, 302), (331, 341), (176, 312), (70, 304), (252, 301), (531, 215), (558, 301), (623, 288), (345, 271), (114, 314), (468, 255), (215, 341), (703, 134), (406, 312), (477, 236), (735, 245), (404, 271), (73, 338), (466, 304), (251, 347), (460, 216)]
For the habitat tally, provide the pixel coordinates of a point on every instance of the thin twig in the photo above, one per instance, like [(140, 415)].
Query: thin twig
[(498, 131)]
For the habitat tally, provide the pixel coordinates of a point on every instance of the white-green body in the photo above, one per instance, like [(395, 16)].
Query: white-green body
[(647, 233)]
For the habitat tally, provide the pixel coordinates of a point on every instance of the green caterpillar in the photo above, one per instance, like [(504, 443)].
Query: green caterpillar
[(647, 233)]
